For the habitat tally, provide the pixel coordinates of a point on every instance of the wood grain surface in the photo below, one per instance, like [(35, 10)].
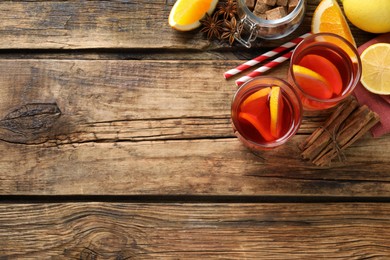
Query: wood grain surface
[(139, 127), (116, 143), (194, 231), (109, 24)]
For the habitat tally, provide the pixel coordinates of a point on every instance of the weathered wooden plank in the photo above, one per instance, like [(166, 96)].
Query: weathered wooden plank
[(108, 24), (121, 100), (194, 231), (197, 167), (153, 127)]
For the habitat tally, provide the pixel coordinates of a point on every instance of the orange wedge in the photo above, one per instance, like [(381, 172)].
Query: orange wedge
[(312, 83), (276, 110), (185, 15), (255, 111), (326, 68), (328, 17), (258, 94), (260, 123)]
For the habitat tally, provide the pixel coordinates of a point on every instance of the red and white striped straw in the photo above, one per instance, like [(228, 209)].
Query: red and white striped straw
[(259, 71), (265, 56)]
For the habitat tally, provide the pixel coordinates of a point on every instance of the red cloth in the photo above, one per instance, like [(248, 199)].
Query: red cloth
[(377, 103)]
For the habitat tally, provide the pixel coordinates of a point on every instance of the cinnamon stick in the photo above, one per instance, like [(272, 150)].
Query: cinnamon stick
[(346, 125), (352, 132), (321, 138), (349, 127), (374, 120), (358, 121), (320, 130)]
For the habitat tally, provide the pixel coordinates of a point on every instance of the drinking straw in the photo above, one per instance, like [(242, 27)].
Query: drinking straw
[(266, 67), (265, 56)]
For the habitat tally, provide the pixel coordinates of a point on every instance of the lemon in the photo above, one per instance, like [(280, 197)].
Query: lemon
[(185, 15), (376, 68), (370, 16)]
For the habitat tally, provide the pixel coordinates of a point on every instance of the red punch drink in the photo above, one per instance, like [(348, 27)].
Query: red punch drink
[(324, 69), (266, 112)]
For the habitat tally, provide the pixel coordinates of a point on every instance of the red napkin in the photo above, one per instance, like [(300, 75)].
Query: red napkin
[(377, 103)]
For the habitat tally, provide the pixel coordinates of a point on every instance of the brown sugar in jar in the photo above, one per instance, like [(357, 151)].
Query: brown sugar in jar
[(267, 19)]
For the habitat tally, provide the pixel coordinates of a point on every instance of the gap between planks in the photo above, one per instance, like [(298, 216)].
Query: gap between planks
[(187, 199)]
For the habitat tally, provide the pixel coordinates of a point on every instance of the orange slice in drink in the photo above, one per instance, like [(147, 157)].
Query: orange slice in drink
[(261, 123), (328, 17), (312, 83), (257, 95), (255, 110), (325, 68), (276, 110), (185, 15)]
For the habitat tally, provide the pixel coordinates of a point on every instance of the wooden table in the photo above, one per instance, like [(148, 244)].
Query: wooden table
[(116, 143)]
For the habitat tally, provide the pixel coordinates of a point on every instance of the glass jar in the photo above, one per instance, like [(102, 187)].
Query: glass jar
[(250, 27)]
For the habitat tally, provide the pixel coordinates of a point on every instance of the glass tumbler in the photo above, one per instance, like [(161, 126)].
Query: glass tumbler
[(324, 69), (250, 26), (265, 113)]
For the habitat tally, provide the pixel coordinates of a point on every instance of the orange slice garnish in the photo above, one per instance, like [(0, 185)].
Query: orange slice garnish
[(312, 83), (276, 110), (257, 95), (255, 111), (260, 123), (325, 68)]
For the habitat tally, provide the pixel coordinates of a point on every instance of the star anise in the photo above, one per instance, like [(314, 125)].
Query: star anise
[(229, 30), (212, 26), (227, 9)]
